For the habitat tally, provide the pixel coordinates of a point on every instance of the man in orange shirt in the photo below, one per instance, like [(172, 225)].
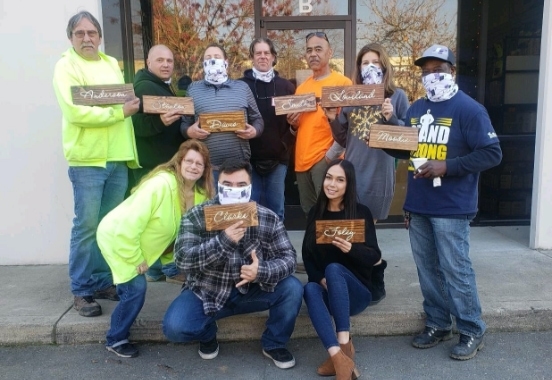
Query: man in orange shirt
[(315, 145)]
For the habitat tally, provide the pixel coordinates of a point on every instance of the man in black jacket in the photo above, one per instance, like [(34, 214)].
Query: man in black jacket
[(158, 137), (270, 153)]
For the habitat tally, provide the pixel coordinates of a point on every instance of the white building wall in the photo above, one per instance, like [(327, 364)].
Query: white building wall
[(36, 200), (541, 212)]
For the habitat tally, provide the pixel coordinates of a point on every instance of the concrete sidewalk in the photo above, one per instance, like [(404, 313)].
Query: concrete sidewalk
[(513, 281)]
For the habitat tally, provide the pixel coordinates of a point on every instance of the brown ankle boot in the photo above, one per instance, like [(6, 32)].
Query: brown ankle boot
[(344, 367), (327, 368)]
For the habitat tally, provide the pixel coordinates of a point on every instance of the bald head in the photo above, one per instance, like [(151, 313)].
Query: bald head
[(161, 62)]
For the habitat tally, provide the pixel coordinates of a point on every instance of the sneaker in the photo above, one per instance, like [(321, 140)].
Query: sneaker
[(109, 293), (125, 350), (281, 357), (178, 279), (155, 279), (87, 307), (467, 347), (208, 350), (431, 337)]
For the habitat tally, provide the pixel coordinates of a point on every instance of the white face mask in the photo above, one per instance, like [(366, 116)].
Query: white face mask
[(439, 86), (215, 70), (371, 74), (265, 77), (229, 195)]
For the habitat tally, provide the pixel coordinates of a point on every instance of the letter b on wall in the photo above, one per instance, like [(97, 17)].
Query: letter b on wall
[(305, 6)]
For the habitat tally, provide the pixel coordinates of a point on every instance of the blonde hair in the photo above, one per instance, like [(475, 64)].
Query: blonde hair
[(204, 184)]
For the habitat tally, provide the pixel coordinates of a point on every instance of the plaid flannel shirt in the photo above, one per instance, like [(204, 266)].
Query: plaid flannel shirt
[(212, 261)]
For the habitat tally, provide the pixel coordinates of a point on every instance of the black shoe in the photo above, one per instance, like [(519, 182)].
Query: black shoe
[(431, 337), (281, 357), (86, 306), (467, 347), (109, 293), (125, 350), (208, 350), (378, 285)]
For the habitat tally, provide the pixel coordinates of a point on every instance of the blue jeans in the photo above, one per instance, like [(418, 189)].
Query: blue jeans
[(157, 270), (441, 248), (96, 191), (345, 296), (185, 320), (268, 190), (132, 295)]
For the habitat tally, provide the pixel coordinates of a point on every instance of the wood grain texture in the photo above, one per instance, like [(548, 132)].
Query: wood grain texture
[(357, 95), (101, 95), (351, 230), (222, 121), (393, 137), (164, 104), (220, 217), (294, 103)]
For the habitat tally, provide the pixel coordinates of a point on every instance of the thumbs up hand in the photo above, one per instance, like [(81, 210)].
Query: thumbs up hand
[(249, 272)]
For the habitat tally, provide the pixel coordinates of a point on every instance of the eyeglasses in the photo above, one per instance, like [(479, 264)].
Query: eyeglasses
[(317, 34), (265, 97), (191, 162), (82, 33)]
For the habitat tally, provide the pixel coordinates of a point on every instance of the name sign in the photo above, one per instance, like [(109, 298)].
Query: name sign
[(103, 94), (163, 104), (222, 121), (393, 137), (220, 217), (295, 103), (351, 230), (357, 95)]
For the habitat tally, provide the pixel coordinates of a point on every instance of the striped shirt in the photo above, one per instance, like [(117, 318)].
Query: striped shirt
[(232, 95), (212, 261)]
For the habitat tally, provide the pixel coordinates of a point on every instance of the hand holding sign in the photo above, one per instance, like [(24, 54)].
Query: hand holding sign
[(248, 133), (387, 109), (235, 232), (170, 117), (195, 132), (249, 272), (344, 245), (131, 107)]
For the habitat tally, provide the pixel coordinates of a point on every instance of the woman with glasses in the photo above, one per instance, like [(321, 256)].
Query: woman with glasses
[(375, 169), (143, 229)]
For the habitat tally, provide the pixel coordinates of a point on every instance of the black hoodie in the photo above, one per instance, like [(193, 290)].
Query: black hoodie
[(156, 143), (276, 141)]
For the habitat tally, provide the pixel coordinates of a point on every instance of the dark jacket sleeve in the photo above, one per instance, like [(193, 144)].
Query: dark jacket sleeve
[(340, 126), (474, 162), (368, 253)]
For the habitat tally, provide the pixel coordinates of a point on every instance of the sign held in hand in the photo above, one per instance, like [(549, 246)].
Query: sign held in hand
[(393, 137), (351, 230), (357, 95), (101, 95), (294, 103), (223, 121), (163, 104), (220, 217)]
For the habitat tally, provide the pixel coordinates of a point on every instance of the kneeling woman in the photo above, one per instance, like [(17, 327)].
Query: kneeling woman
[(142, 228), (339, 273)]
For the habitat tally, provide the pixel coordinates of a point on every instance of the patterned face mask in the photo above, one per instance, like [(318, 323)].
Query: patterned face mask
[(229, 195), (215, 70), (439, 86), (371, 74), (265, 77)]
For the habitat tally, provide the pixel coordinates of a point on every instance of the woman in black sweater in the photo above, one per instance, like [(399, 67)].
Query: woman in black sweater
[(339, 273)]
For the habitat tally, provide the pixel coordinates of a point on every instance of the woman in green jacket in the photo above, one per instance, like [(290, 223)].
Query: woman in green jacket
[(144, 227)]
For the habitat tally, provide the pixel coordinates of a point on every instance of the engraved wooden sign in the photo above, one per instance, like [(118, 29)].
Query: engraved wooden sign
[(163, 104), (222, 121), (220, 217), (351, 230), (295, 103), (357, 95), (103, 94), (393, 137)]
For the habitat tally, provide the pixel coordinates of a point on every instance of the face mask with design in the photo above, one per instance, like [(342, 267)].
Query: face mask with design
[(229, 195), (439, 86), (371, 74), (215, 70), (265, 77)]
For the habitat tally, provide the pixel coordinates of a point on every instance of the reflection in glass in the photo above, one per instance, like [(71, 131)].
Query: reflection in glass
[(275, 8)]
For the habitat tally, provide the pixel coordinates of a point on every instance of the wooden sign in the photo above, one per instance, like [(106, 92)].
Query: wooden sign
[(393, 137), (103, 94), (222, 121), (220, 217), (163, 104), (351, 230), (358, 95), (295, 103)]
